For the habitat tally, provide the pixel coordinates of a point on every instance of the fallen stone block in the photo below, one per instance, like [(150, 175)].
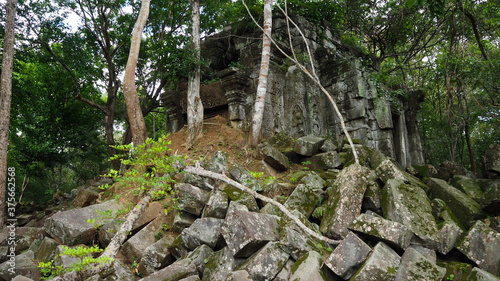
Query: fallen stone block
[(26, 236), (344, 201), (191, 199), (241, 197), (426, 252), (182, 220), (308, 145), (308, 268), (199, 257), (119, 271), (348, 256), (46, 250), (382, 264), (296, 242), (266, 263), (239, 275), (242, 176), (326, 160), (219, 265), (388, 170), (85, 197), (451, 233), (482, 246), (491, 197), (22, 265), (285, 272), (274, 158), (329, 145), (372, 198), (245, 232), (157, 255), (410, 206), (465, 209), (478, 274), (135, 246), (78, 226), (217, 205), (178, 270), (108, 231), (178, 248), (304, 199), (468, 186), (414, 266), (379, 228), (202, 231)]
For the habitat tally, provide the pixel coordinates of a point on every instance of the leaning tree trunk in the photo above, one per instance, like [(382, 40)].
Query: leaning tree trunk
[(260, 99), (134, 111), (5, 100), (194, 105)]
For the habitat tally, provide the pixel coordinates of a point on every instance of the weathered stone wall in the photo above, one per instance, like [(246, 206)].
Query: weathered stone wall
[(295, 105)]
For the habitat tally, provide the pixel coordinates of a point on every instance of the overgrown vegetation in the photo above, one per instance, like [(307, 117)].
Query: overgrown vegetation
[(82, 253), (147, 168)]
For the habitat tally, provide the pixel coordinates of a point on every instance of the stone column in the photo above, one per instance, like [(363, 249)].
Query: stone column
[(234, 82)]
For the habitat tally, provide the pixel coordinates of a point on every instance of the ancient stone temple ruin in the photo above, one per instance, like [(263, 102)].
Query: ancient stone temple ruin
[(295, 105)]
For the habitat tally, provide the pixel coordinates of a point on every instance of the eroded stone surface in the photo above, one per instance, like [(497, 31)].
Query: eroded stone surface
[(344, 201), (308, 268), (388, 231), (410, 206), (219, 265), (383, 264), (266, 263), (465, 209), (245, 232), (308, 145), (217, 205), (348, 256), (178, 270), (191, 199), (202, 231), (414, 266), (75, 226), (482, 245)]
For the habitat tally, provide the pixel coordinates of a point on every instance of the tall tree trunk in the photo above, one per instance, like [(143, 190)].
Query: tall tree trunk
[(194, 104), (260, 99), (5, 100), (134, 111)]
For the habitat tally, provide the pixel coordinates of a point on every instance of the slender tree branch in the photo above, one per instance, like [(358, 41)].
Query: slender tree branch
[(205, 173)]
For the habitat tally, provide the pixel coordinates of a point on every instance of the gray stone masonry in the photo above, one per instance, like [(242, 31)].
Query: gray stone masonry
[(383, 264), (381, 229), (245, 232), (348, 256)]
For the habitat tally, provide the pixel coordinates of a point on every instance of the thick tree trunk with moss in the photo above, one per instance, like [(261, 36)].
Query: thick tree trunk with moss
[(194, 105), (134, 111), (260, 99), (5, 101)]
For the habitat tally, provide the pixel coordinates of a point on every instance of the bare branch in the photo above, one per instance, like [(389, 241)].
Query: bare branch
[(204, 173), (313, 77)]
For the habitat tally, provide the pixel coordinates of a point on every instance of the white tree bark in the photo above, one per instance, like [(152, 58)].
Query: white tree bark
[(260, 98), (312, 75), (194, 104), (5, 100), (134, 111)]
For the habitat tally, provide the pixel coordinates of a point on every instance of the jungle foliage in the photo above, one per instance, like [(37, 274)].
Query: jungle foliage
[(68, 111)]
